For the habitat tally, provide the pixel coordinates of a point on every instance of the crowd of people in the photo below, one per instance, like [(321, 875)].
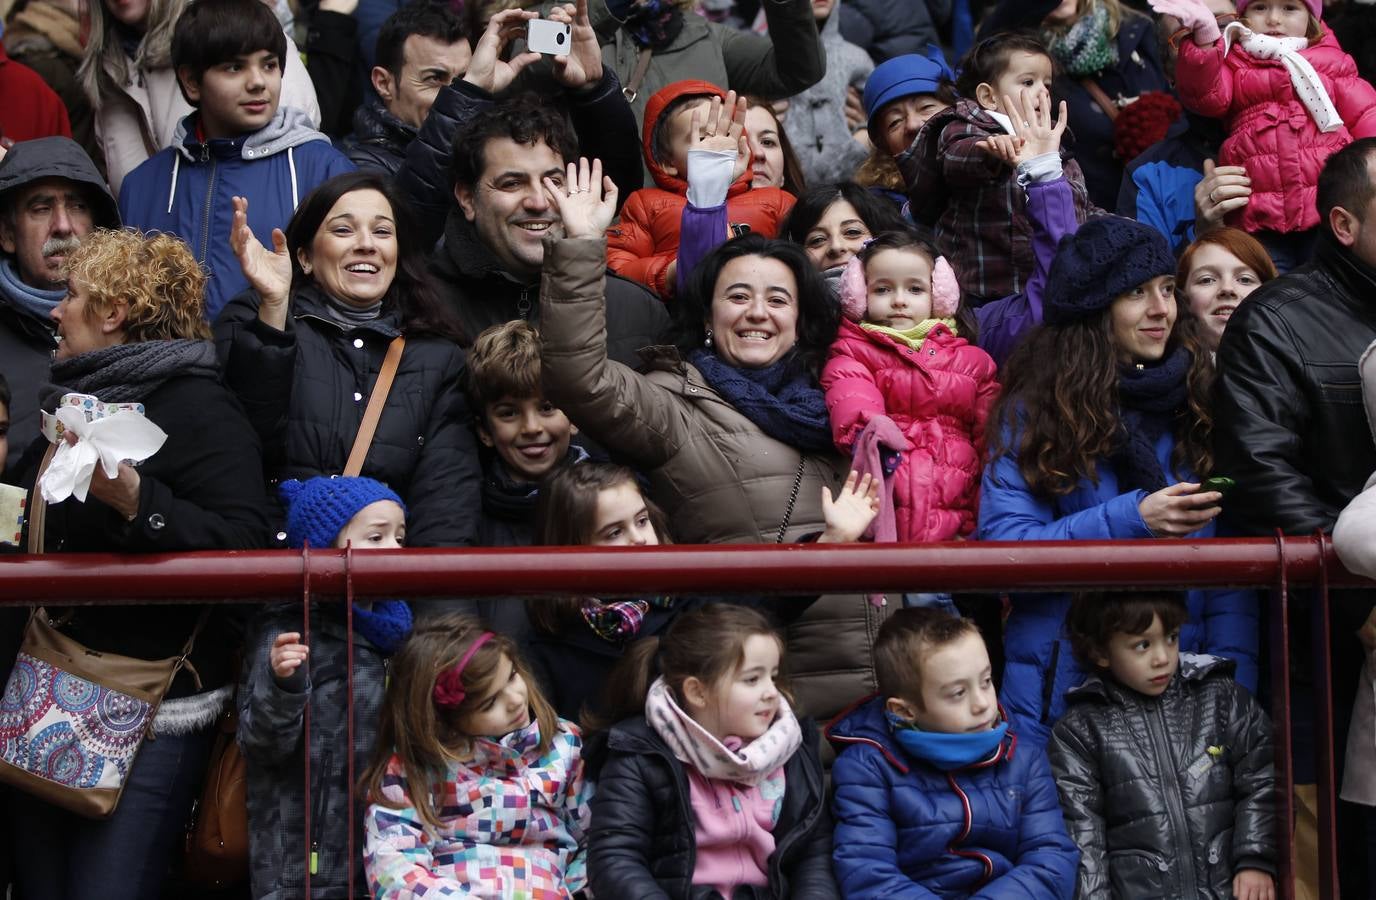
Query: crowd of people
[(352, 273)]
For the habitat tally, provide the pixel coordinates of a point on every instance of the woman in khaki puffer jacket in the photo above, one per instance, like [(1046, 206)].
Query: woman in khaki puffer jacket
[(716, 473)]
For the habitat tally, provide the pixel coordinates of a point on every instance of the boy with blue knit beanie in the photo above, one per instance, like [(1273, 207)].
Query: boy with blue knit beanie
[(282, 674)]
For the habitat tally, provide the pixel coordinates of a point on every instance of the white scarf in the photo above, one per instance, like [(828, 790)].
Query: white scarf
[(1308, 87), (695, 746)]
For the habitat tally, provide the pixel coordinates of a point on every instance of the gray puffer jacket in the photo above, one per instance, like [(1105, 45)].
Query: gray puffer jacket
[(270, 737), (816, 119), (1167, 796)]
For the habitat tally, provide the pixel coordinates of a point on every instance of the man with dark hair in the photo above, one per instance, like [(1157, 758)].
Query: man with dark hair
[(421, 49), (491, 158), (51, 196), (1289, 424)]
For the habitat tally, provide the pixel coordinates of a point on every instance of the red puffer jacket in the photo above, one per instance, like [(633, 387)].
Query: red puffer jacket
[(645, 241), (1270, 131), (940, 396)]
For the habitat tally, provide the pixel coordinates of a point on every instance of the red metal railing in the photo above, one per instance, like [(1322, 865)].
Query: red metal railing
[(1279, 564)]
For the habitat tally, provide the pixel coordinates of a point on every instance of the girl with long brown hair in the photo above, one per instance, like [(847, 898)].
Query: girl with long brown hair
[(711, 785), (477, 787), (1102, 432)]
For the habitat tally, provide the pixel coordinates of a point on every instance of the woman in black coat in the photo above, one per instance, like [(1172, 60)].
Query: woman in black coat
[(303, 350), (132, 330)]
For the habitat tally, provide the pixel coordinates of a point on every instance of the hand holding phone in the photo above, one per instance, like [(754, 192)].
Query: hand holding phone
[(548, 37)]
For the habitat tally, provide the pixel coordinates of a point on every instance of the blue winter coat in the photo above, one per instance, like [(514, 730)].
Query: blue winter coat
[(908, 831), (186, 190), (1039, 666)]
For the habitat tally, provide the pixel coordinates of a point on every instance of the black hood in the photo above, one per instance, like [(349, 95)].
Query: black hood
[(58, 157)]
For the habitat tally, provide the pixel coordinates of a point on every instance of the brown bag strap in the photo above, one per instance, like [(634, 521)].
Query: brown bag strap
[(373, 413), (38, 507), (642, 65), (1098, 95)]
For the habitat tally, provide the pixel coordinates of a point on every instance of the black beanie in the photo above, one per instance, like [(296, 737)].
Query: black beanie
[(1103, 260)]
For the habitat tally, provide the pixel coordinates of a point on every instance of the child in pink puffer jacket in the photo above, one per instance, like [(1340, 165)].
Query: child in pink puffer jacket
[(900, 356), (1289, 97)]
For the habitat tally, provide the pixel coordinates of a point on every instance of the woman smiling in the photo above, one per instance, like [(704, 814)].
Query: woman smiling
[(339, 287)]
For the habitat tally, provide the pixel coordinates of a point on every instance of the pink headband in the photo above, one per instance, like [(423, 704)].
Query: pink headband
[(854, 292), (449, 692)]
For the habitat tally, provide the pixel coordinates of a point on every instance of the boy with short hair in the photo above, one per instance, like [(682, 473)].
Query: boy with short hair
[(933, 795), (528, 436), (1158, 752), (228, 55), (644, 246)]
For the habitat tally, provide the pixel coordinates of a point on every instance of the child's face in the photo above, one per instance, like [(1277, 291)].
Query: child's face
[(746, 702), (957, 689), (504, 709), (681, 135), (622, 518), (836, 237), (4, 434), (1142, 320), (900, 121), (377, 526), (899, 289), (1217, 282), (1023, 70), (236, 97), (1144, 662), (1277, 18), (531, 435)]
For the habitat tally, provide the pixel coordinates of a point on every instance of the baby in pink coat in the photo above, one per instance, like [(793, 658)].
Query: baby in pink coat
[(901, 368), (1287, 93)]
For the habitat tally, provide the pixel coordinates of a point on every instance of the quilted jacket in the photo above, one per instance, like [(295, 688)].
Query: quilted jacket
[(1269, 130), (716, 475), (512, 824), (645, 241), (908, 831), (1167, 796), (940, 396), (1040, 667), (642, 845), (974, 202), (305, 389)]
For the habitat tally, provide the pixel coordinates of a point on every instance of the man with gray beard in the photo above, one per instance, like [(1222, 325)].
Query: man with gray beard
[(51, 195)]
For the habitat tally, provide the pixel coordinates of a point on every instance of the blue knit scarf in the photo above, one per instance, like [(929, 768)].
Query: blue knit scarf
[(1149, 398), (30, 299), (386, 625), (946, 751), (782, 399)]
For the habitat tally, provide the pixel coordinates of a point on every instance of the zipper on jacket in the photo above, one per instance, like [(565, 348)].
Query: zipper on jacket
[(318, 816), (523, 305), (209, 196), (1175, 807), (1049, 682)]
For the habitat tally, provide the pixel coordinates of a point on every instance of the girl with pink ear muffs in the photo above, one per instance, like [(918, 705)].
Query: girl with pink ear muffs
[(908, 390)]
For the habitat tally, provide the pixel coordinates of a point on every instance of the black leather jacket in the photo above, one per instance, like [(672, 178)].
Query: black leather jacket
[(1289, 425), (1167, 796)]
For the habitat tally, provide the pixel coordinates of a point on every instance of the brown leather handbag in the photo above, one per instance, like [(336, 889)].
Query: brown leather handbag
[(217, 842)]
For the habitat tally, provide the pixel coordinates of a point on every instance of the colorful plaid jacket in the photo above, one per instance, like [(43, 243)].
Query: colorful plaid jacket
[(974, 202), (513, 825)]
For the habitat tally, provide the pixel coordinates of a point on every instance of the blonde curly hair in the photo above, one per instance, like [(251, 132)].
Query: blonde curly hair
[(156, 275)]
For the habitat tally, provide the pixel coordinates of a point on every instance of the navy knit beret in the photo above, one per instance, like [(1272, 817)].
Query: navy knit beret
[(320, 507), (1107, 257)]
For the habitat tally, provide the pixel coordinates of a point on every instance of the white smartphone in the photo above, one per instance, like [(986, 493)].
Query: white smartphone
[(550, 38)]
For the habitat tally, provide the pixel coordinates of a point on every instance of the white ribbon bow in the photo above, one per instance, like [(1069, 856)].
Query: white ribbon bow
[(123, 436), (1308, 86)]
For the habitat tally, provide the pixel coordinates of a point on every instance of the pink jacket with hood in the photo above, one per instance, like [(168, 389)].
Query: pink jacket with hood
[(1270, 132), (939, 396)]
